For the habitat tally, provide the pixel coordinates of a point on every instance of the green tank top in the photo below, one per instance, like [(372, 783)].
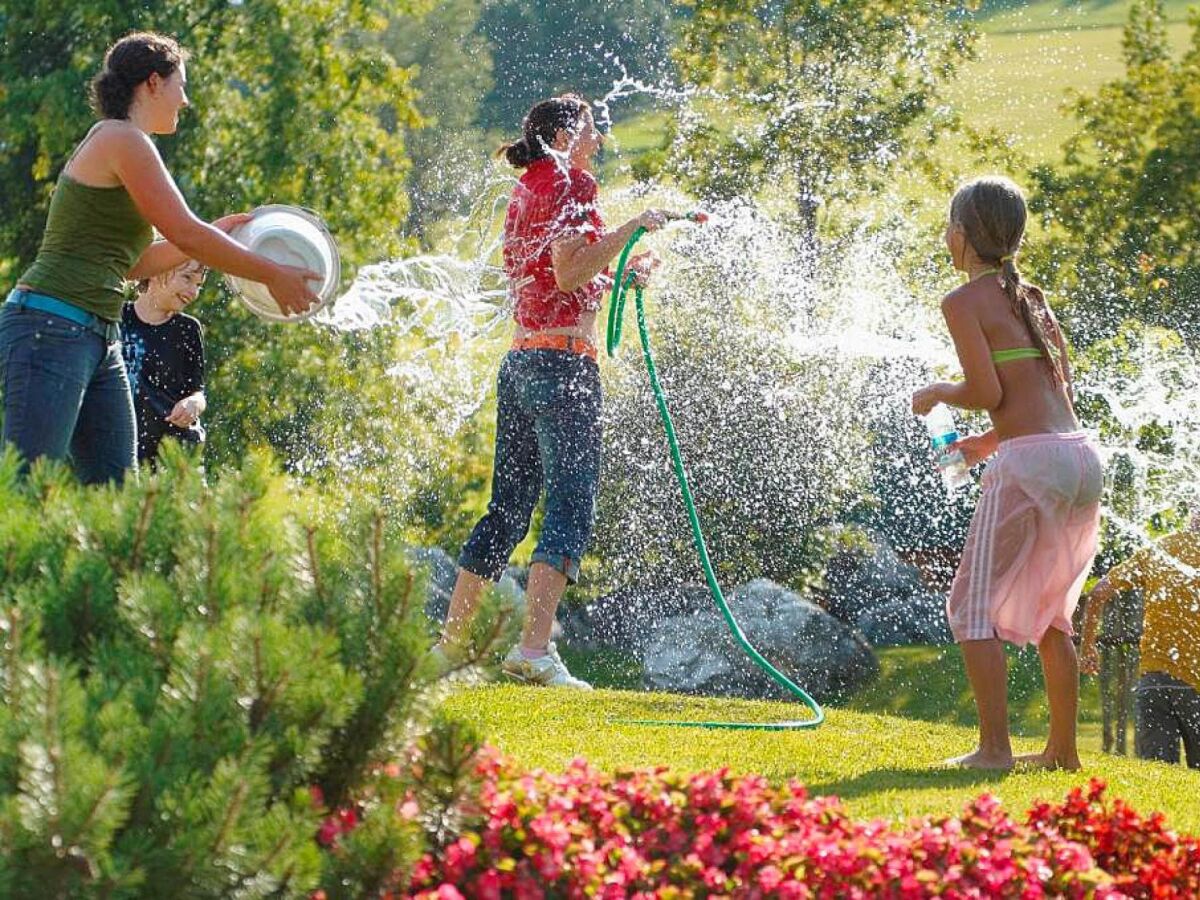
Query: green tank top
[(93, 237)]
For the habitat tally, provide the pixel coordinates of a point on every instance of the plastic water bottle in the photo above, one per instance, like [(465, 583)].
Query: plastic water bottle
[(942, 434)]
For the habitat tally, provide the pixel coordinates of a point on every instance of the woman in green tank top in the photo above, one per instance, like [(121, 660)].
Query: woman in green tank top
[(62, 377)]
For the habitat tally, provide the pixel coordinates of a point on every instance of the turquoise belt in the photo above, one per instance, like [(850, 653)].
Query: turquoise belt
[(23, 299)]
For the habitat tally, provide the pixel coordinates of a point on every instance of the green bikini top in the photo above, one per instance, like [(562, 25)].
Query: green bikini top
[(1011, 353), (1000, 356)]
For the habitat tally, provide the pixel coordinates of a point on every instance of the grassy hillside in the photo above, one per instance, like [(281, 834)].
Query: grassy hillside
[(1030, 57), (1045, 15), (880, 765)]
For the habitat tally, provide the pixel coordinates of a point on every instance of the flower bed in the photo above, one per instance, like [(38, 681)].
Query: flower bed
[(662, 834)]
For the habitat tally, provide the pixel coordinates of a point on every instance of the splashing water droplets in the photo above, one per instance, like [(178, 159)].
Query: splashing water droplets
[(437, 294), (781, 354)]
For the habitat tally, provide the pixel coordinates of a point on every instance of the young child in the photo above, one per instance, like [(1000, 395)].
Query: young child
[(164, 357), (1033, 537), (1168, 690)]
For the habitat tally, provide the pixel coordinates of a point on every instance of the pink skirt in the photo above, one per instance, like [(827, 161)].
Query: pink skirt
[(1032, 540)]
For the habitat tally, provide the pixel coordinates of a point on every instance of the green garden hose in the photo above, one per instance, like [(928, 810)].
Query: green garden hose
[(616, 310)]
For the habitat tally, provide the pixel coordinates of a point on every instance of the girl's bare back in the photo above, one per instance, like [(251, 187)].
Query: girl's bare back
[(1032, 401)]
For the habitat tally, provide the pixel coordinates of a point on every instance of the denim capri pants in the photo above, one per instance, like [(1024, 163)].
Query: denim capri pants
[(547, 437), (65, 394)]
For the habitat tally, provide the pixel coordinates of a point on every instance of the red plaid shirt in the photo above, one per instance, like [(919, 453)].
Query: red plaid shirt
[(550, 203)]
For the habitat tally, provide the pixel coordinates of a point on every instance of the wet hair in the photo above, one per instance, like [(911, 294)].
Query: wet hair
[(130, 62), (991, 211), (540, 126)]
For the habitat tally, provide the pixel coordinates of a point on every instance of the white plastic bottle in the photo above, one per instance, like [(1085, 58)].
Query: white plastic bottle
[(943, 433)]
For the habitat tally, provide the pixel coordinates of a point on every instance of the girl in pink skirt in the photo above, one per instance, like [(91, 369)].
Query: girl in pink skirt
[(1033, 537)]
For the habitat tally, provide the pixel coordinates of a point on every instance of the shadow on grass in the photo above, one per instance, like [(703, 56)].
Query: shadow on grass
[(905, 779), (721, 712)]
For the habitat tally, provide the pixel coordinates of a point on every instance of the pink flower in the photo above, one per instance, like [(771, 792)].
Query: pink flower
[(653, 833), (769, 878), (488, 886), (409, 809), (423, 871)]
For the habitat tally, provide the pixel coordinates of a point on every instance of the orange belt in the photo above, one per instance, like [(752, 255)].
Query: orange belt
[(568, 342)]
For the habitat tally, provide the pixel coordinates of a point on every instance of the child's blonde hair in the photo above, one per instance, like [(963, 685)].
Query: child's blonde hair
[(163, 277), (991, 212)]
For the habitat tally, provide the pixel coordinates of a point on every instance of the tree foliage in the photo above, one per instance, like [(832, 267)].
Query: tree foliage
[(452, 60), (1121, 208), (543, 49), (817, 97)]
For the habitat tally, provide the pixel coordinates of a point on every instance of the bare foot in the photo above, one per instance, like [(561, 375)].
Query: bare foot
[(981, 760), (1047, 759)]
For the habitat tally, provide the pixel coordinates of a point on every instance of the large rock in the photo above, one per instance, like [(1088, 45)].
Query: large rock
[(626, 619), (695, 653), (918, 619), (443, 571), (883, 596), (865, 578)]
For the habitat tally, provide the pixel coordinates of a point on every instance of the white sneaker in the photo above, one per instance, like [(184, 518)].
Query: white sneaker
[(548, 670)]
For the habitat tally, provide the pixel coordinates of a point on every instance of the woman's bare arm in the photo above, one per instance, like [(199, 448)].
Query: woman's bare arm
[(154, 192), (159, 257), (137, 163), (162, 256), (576, 261)]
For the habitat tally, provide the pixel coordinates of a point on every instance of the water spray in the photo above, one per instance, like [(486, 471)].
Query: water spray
[(616, 309)]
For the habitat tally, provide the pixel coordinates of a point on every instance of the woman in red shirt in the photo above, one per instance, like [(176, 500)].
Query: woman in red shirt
[(556, 253)]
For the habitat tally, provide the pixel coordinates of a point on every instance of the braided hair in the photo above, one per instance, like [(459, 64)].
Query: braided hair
[(991, 211)]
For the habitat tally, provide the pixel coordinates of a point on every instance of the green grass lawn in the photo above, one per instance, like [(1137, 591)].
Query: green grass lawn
[(914, 682), (929, 683), (880, 765)]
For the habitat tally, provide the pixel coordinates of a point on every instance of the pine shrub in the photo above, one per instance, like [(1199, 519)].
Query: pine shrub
[(193, 674)]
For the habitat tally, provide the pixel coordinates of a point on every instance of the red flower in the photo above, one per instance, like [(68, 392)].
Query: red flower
[(328, 832)]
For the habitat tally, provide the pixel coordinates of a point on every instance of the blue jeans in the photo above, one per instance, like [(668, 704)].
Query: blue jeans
[(547, 436), (65, 393)]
